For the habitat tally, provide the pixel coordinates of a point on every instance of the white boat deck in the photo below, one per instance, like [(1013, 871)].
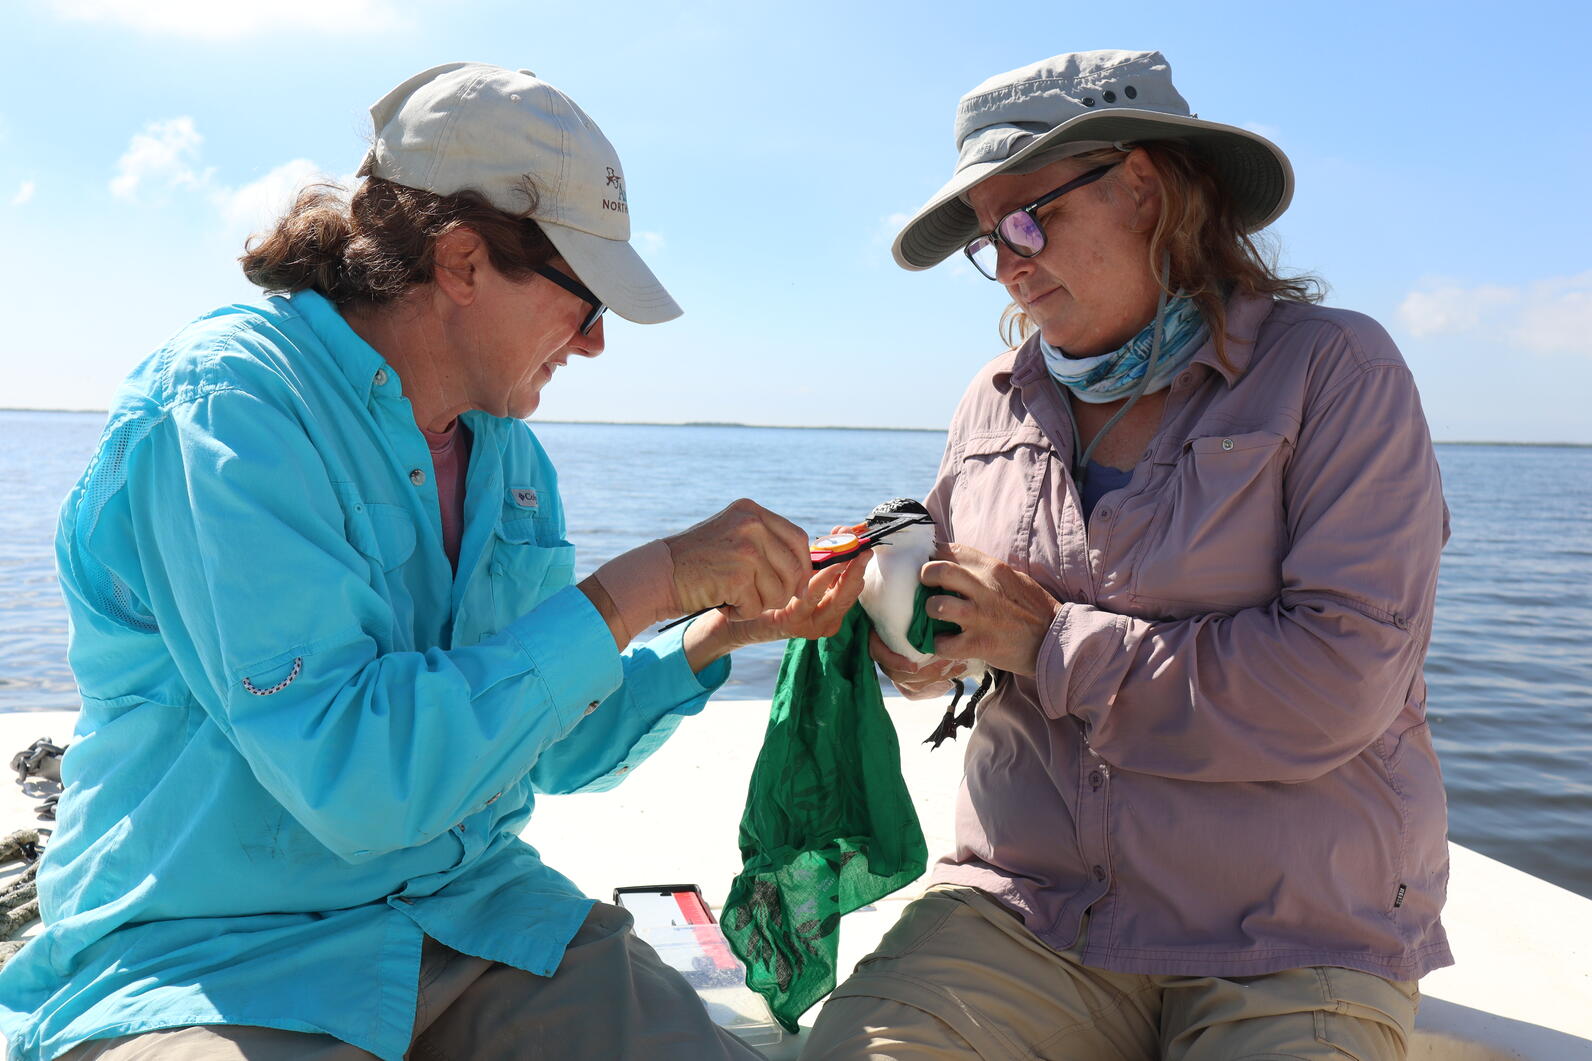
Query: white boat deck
[(1522, 988)]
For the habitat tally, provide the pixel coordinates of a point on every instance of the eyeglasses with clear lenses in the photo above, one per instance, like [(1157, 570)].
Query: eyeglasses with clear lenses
[(580, 291), (1020, 230)]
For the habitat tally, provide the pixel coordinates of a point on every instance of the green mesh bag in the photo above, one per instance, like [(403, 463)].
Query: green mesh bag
[(829, 826)]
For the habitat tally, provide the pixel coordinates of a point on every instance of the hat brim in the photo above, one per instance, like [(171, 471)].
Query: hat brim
[(615, 273), (1254, 170)]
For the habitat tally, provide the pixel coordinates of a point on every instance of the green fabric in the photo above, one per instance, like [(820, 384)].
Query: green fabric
[(921, 631), (829, 825)]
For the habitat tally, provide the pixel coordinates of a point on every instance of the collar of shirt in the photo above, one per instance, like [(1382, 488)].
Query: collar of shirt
[(1245, 314), (365, 369)]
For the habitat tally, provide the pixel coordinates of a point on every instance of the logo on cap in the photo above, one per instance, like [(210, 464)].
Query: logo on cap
[(621, 204)]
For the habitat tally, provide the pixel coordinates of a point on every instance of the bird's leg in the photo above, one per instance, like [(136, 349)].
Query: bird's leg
[(947, 727), (966, 717)]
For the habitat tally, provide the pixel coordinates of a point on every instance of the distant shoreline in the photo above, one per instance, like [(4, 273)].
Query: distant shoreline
[(846, 427)]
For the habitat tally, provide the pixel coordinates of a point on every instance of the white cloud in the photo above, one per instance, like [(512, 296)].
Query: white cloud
[(235, 18), (647, 243), (164, 156), (1449, 309), (259, 203), (1550, 316), (24, 193), (1558, 319)]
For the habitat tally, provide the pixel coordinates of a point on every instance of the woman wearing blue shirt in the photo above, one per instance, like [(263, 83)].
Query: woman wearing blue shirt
[(329, 643)]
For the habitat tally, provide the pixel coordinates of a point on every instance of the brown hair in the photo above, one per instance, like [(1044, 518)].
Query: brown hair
[(376, 245), (1212, 256)]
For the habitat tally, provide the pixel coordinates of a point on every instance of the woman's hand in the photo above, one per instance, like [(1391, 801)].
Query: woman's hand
[(816, 612), (746, 558), (1003, 613), (911, 680)]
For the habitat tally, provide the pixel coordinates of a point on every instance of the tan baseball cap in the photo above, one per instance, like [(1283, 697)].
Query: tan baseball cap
[(483, 128), (1078, 101)]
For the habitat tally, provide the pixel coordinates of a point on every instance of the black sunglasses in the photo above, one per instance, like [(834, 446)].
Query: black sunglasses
[(1020, 229), (580, 291)]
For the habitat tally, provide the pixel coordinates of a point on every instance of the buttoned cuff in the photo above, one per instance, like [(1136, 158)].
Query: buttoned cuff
[(661, 682), (1074, 659), (661, 663), (569, 646)]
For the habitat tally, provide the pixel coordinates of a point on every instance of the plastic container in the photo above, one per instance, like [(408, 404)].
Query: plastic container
[(703, 957), (675, 920)]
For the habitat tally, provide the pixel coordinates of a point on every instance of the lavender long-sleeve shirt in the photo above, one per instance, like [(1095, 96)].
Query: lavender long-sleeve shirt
[(1224, 756)]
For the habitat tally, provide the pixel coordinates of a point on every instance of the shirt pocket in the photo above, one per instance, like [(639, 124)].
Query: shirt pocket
[(1216, 540), (529, 564), (995, 500), (381, 533)]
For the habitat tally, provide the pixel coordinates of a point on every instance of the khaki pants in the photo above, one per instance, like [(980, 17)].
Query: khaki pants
[(612, 998), (959, 977)]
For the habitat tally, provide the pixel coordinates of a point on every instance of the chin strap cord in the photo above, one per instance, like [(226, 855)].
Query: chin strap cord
[(1082, 463)]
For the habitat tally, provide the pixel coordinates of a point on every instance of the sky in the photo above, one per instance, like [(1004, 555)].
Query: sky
[(771, 152)]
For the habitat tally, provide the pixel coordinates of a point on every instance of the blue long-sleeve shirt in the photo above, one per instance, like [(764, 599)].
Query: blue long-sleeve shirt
[(305, 742)]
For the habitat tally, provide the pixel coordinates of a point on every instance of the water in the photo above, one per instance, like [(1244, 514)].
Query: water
[(1510, 666)]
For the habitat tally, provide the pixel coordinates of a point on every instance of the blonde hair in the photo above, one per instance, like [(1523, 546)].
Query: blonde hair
[(1211, 255)]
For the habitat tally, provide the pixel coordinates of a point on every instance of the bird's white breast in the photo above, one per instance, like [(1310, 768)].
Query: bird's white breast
[(890, 587)]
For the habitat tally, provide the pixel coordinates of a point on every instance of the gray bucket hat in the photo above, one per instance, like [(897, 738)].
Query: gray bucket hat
[(1085, 100)]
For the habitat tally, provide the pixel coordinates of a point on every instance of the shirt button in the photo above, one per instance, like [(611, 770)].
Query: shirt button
[(591, 707), (1227, 443), (1095, 779), (407, 901), (1100, 873), (494, 798), (417, 477), (1104, 511), (380, 379), (1185, 379)]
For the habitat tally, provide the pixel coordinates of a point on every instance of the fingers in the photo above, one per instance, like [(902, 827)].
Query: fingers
[(951, 609), (926, 691), (901, 670), (965, 555), (789, 547), (830, 595), (957, 646), (745, 556), (954, 577), (785, 556), (773, 591), (824, 587), (849, 587), (821, 586)]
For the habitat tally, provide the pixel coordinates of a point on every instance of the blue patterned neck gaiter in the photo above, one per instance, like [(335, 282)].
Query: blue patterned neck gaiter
[(1116, 375)]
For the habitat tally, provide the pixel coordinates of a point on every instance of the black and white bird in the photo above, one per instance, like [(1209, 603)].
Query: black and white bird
[(889, 594)]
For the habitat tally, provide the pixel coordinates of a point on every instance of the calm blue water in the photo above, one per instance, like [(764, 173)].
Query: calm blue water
[(1510, 667)]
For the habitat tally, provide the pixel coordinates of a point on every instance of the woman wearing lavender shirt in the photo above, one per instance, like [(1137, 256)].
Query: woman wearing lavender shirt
[(1193, 522)]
